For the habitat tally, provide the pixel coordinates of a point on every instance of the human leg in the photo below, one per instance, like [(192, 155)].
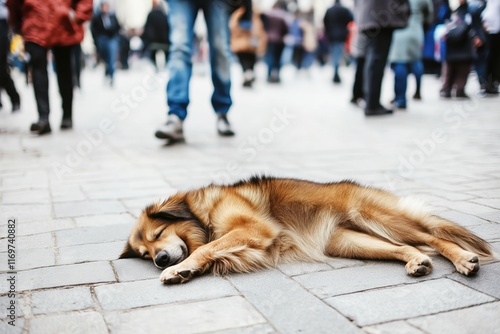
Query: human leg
[(400, 83), (62, 58)]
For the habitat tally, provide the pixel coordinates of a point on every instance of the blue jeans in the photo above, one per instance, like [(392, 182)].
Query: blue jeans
[(336, 53), (108, 51), (181, 17), (401, 71)]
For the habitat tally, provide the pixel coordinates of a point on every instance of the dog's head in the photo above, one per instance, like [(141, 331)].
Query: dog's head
[(166, 232)]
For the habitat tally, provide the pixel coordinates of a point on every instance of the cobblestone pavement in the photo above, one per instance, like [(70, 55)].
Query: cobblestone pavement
[(76, 194)]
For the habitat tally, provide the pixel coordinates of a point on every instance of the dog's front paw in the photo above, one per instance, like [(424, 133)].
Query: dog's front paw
[(178, 274)]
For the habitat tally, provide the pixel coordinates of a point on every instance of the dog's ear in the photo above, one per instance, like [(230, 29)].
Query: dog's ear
[(169, 212), (128, 252)]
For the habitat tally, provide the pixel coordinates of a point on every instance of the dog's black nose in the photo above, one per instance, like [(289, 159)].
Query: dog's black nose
[(162, 259)]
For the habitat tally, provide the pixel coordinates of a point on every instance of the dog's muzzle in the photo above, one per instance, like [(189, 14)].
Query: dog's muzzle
[(166, 258)]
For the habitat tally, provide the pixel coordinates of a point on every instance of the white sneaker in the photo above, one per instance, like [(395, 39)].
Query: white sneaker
[(172, 130), (223, 126)]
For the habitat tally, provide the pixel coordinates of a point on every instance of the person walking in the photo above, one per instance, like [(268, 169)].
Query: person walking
[(491, 22), (106, 33), (275, 23), (406, 50), (155, 34), (5, 79), (377, 20), (181, 17), (247, 43), (55, 25), (336, 21), (358, 51), (464, 35)]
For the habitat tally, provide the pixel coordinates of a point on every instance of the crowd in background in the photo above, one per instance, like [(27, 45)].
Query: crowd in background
[(440, 37)]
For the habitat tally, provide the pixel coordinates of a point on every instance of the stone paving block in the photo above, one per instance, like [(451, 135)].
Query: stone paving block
[(462, 219), (477, 319), (101, 220), (399, 327), (487, 280), (43, 226), (300, 268), (87, 208), (488, 231), (255, 329), (493, 203), (93, 235), (125, 193), (197, 317), (492, 216), (90, 252), (25, 213), (29, 259), (135, 269), (347, 280), (26, 196), (487, 193), (67, 193), (85, 273), (8, 329), (274, 295), (42, 240), (338, 263), (20, 304), (70, 323), (123, 296), (61, 300), (406, 301)]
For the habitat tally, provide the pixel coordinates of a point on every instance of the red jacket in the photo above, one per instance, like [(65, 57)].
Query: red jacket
[(50, 22)]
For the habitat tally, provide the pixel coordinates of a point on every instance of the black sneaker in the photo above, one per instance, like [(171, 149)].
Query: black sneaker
[(380, 111), (66, 124), (41, 127)]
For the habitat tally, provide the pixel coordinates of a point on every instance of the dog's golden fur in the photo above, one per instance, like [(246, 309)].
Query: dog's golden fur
[(264, 221)]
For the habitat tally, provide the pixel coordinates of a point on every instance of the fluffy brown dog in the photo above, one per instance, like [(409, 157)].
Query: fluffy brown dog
[(258, 223)]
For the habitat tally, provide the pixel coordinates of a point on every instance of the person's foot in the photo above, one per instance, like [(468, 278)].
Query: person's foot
[(66, 124), (399, 105), (380, 111), (247, 83), (273, 79), (336, 78), (40, 127), (172, 130), (417, 96), (223, 126), (445, 93), (461, 94), (16, 106)]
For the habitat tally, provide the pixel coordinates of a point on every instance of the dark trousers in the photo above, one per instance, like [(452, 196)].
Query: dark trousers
[(377, 51), (273, 57), (5, 79), (493, 63), (357, 88), (247, 60), (455, 74), (38, 65)]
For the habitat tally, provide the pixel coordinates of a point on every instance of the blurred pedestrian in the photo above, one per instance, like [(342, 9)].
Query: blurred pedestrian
[(406, 51), (464, 35), (480, 62), (247, 42), (275, 23), (5, 79), (336, 21), (431, 55), (155, 34), (377, 20), (181, 17), (358, 51), (106, 33), (491, 21), (55, 25)]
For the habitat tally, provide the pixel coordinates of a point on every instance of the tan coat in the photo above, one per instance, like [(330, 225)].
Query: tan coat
[(242, 40)]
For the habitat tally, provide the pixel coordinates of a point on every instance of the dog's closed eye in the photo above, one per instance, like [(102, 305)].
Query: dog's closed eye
[(157, 236), (146, 255)]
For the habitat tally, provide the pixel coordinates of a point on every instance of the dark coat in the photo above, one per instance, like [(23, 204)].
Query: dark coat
[(382, 14), (276, 25), (48, 22), (336, 20), (156, 29), (98, 29), (462, 49)]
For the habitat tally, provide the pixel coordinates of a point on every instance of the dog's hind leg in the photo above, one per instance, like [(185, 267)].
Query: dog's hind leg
[(351, 244)]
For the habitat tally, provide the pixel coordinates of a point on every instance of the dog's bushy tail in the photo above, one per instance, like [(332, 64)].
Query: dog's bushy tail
[(444, 229)]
